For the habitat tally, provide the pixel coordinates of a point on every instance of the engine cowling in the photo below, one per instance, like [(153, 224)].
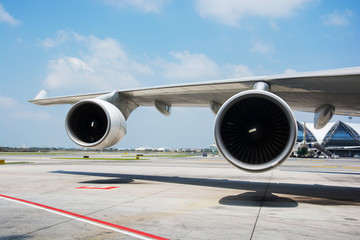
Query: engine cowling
[(255, 130), (95, 123)]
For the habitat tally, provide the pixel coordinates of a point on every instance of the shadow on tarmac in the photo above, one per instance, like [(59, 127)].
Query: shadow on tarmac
[(254, 199), (256, 191), (110, 181), (18, 237)]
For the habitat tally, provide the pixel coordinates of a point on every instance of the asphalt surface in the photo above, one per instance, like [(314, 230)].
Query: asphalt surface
[(176, 198)]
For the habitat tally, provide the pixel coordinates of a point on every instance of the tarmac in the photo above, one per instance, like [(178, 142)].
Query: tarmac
[(168, 197)]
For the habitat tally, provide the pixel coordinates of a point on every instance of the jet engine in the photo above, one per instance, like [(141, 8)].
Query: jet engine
[(255, 130), (95, 123)]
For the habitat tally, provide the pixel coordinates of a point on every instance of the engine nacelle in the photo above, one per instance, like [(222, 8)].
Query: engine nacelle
[(255, 130), (95, 123)]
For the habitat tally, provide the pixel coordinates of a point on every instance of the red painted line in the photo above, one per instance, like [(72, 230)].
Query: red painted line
[(87, 218), (100, 188)]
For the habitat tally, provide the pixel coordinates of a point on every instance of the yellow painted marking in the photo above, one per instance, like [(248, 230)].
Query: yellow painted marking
[(353, 168), (325, 166)]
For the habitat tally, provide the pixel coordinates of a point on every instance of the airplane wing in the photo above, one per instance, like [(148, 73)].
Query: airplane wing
[(255, 129), (302, 91)]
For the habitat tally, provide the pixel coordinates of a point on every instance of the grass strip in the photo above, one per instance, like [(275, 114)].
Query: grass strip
[(173, 156), (112, 159)]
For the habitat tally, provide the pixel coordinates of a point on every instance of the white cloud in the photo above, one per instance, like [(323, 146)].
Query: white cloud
[(236, 71), (7, 103), (290, 71), (67, 71), (188, 66), (103, 65), (5, 17), (107, 49), (230, 12), (11, 108), (263, 48), (274, 26), (185, 66), (337, 19), (146, 6), (61, 37)]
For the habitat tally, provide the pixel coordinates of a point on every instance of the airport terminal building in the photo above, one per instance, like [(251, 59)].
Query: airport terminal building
[(340, 138)]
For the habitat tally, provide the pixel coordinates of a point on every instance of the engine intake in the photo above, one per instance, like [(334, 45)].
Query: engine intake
[(95, 123), (255, 130)]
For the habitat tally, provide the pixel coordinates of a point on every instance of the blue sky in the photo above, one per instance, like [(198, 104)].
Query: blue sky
[(75, 46)]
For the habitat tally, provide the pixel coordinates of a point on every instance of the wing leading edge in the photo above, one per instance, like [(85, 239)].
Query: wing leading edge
[(302, 91)]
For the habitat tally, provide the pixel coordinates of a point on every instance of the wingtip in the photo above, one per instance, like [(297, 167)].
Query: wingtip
[(41, 95)]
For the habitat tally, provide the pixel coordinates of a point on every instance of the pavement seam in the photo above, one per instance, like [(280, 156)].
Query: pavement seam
[(132, 200), (40, 229), (261, 205)]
